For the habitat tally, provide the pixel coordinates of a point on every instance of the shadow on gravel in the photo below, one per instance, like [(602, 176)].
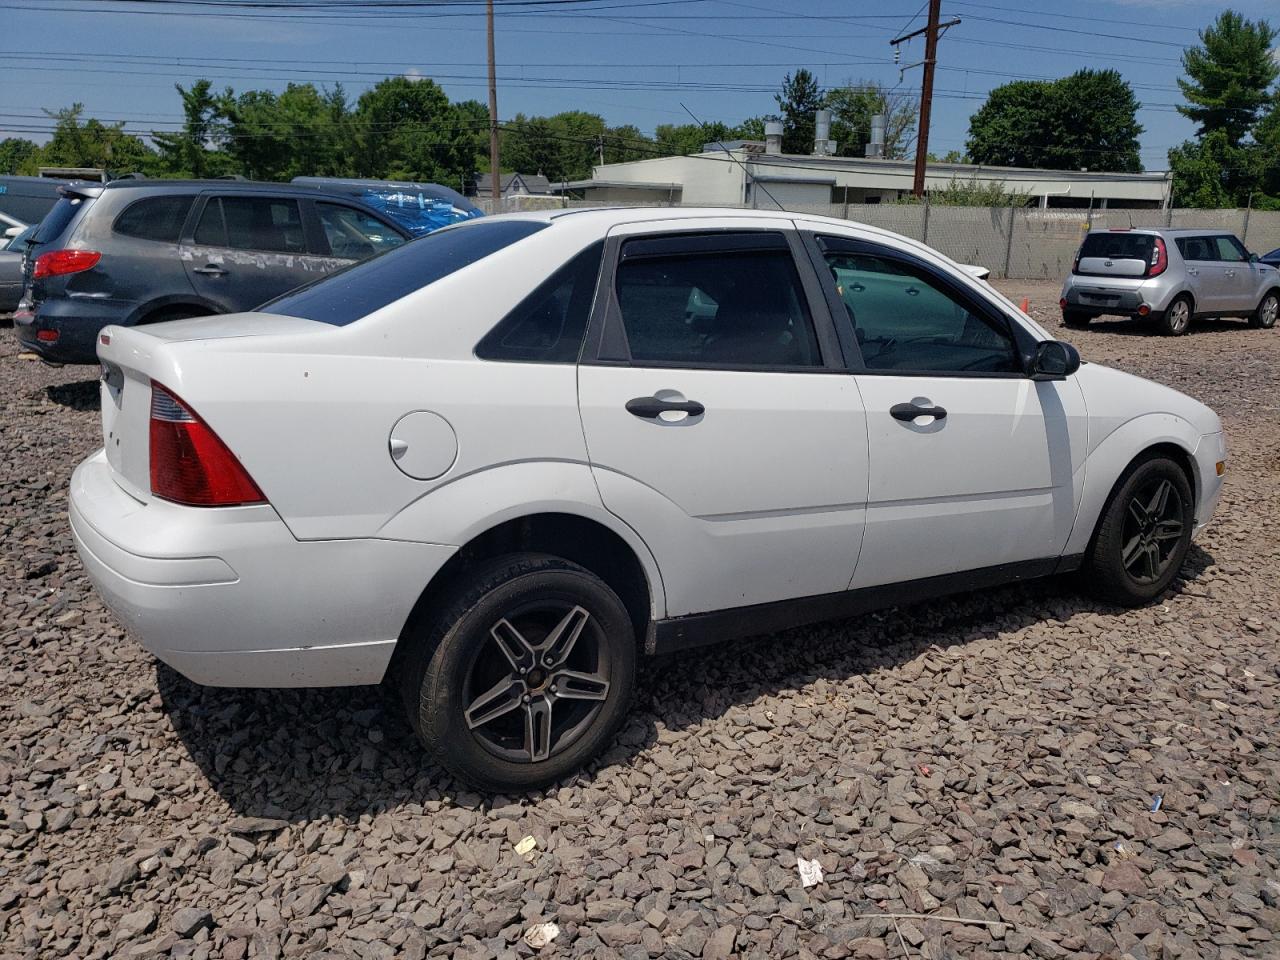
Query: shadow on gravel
[(81, 395), (1146, 328), (300, 755)]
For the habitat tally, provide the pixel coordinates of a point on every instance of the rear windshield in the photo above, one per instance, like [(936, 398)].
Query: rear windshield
[(1118, 246), (56, 220), (359, 290)]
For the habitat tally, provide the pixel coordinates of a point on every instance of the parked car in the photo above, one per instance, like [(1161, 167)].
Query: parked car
[(11, 283), (28, 199), (496, 465), (1272, 258), (1169, 276), (134, 252), (418, 207)]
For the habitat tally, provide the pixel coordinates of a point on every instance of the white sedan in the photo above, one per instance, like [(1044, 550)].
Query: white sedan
[(495, 465)]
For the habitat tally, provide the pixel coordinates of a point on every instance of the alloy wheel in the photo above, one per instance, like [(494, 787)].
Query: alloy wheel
[(1153, 527), (1179, 316), (1267, 313), (537, 682)]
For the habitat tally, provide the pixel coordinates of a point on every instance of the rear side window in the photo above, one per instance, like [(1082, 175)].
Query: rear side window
[(154, 218), (357, 291), (548, 325), (727, 308), (1197, 248), (1118, 246), (266, 224), (56, 220)]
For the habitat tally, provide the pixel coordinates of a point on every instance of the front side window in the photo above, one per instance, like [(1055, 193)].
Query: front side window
[(728, 308), (548, 325), (154, 218), (906, 320), (1230, 250), (354, 234)]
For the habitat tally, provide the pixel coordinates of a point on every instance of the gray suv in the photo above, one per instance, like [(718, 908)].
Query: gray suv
[(145, 251), (1170, 276)]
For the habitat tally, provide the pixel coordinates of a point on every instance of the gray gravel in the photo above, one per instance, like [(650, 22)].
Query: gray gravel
[(975, 776)]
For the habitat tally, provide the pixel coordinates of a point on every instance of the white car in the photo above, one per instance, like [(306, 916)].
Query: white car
[(495, 465)]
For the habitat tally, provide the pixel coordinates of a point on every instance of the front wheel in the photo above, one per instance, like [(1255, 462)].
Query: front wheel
[(526, 676), (1143, 535), (1265, 316)]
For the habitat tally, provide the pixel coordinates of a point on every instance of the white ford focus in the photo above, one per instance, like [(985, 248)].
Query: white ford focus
[(496, 464)]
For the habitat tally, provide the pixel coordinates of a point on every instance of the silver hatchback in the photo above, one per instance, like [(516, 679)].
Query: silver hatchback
[(1170, 276)]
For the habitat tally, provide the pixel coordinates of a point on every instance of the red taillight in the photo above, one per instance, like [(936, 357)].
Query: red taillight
[(1159, 259), (55, 263), (1062, 302), (189, 464), (47, 336)]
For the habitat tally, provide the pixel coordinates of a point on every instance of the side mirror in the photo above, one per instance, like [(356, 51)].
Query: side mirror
[(1254, 258), (1054, 360)]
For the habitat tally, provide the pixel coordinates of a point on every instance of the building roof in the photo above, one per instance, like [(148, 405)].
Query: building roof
[(529, 182), (616, 184)]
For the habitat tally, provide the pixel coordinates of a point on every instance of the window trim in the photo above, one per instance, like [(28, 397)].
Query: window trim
[(191, 199), (1024, 343), (606, 341), (322, 246)]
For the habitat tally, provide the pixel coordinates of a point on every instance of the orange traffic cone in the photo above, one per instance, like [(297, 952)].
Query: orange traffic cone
[(1026, 305)]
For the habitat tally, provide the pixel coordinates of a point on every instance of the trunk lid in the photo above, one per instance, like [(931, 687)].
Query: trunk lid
[(132, 357)]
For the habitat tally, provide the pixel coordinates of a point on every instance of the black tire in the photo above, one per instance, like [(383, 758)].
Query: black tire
[(1132, 525), (1264, 318), (458, 662), (1176, 320), (1074, 318)]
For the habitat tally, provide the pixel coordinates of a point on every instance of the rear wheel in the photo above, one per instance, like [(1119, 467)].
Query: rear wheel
[(526, 676), (1074, 318), (1268, 307), (1143, 535), (1177, 319)]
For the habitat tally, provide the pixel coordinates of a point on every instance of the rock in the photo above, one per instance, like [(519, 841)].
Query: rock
[(187, 920), (1124, 877), (656, 919), (719, 945), (135, 924), (1172, 839), (251, 825)]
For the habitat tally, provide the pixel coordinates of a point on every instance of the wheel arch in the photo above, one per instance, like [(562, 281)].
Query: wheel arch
[(147, 312), (1112, 459), (580, 539)]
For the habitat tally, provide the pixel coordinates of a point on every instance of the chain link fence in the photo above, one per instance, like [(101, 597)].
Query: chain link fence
[(1015, 243)]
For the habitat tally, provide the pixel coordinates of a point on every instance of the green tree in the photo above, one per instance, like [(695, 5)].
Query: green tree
[(1085, 121), (15, 152), (406, 128), (195, 150), (92, 143), (854, 104), (1229, 76), (798, 100), (561, 147), (301, 132)]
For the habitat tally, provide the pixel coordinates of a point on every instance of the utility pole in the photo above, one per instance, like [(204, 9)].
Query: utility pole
[(932, 31), (495, 170)]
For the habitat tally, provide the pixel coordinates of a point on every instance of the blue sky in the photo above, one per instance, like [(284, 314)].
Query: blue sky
[(633, 61)]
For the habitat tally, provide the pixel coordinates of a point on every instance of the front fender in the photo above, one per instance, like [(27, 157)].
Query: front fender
[(1109, 457), (461, 510)]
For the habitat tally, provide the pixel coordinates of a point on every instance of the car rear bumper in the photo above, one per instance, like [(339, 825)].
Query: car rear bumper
[(75, 323), (228, 597), (1118, 296)]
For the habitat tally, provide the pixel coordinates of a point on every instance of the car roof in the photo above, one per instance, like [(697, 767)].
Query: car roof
[(222, 186), (1167, 231)]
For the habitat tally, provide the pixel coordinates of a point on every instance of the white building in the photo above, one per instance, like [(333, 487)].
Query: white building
[(746, 173)]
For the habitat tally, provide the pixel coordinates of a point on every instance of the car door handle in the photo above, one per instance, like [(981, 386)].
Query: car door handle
[(649, 408), (909, 411), (211, 270)]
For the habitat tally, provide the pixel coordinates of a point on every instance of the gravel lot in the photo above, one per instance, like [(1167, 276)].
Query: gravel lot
[(987, 764)]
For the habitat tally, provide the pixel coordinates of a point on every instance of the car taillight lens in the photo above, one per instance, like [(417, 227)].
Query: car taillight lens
[(189, 464), (1159, 259), (1075, 264), (56, 263)]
